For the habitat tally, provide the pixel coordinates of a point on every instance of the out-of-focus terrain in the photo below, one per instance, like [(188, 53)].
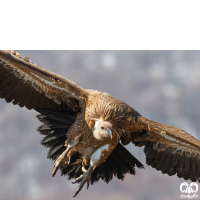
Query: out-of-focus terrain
[(161, 85)]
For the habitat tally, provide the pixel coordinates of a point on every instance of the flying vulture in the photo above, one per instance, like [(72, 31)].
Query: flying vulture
[(86, 130)]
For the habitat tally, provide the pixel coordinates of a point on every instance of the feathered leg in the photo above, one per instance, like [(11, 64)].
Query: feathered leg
[(85, 177), (62, 159), (99, 156)]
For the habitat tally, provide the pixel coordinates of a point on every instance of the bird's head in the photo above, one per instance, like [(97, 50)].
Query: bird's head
[(103, 130)]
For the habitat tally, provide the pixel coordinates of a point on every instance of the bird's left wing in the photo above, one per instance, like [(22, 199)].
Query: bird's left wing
[(167, 148), (28, 85)]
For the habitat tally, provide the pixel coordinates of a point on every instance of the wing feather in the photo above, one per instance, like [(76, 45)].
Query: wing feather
[(28, 85), (167, 148), (172, 164)]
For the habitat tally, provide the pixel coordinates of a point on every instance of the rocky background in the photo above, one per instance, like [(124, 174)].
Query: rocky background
[(161, 85)]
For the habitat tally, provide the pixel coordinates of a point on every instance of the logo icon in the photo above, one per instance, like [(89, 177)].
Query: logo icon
[(190, 190)]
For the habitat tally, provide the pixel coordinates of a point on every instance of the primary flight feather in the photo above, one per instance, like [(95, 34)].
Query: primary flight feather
[(86, 129)]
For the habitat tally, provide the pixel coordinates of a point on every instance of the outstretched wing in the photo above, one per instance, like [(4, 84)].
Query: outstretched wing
[(27, 85), (167, 148)]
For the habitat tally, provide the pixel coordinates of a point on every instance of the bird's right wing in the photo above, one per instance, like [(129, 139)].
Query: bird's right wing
[(28, 85)]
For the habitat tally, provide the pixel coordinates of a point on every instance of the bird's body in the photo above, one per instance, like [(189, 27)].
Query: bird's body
[(100, 107), (86, 129)]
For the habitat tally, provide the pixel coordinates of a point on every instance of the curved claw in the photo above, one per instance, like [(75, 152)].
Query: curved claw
[(58, 163), (79, 189), (86, 176), (76, 194), (76, 181), (55, 170)]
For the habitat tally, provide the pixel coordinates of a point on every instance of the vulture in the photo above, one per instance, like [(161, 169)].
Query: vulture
[(86, 130)]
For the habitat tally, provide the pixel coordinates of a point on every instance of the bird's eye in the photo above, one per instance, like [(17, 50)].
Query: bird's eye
[(102, 128)]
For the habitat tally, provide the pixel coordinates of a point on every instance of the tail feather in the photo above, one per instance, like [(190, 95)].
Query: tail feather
[(55, 127), (56, 151), (55, 142), (58, 116), (52, 122), (53, 136), (127, 156)]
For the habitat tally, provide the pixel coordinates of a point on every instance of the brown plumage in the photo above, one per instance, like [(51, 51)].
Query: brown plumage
[(85, 129)]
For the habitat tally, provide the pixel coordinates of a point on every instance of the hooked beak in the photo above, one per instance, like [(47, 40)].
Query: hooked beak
[(109, 132)]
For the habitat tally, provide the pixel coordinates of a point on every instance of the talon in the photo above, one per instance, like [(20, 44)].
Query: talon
[(54, 171), (86, 177), (74, 182), (58, 163), (83, 168), (77, 179), (76, 194), (80, 177)]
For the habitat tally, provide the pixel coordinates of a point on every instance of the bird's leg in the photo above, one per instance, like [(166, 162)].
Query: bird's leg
[(63, 157), (96, 159), (85, 177), (60, 161)]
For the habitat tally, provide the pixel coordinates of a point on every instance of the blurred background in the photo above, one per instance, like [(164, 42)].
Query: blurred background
[(161, 85)]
